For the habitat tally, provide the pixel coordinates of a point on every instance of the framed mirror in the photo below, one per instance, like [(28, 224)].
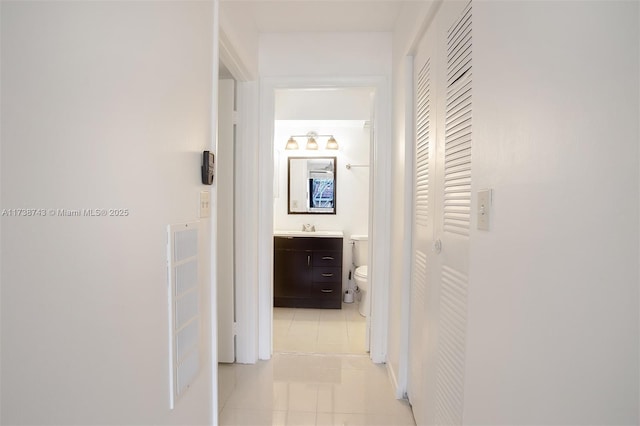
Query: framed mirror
[(312, 185)]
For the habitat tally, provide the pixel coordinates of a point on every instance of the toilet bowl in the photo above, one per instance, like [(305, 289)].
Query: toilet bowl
[(363, 285)]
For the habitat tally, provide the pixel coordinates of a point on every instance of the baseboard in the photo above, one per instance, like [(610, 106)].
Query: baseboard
[(399, 393)]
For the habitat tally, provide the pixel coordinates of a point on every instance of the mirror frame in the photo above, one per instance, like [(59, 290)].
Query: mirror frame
[(335, 181)]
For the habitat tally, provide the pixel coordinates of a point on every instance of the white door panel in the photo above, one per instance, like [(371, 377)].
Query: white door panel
[(423, 225), (442, 212), (455, 220)]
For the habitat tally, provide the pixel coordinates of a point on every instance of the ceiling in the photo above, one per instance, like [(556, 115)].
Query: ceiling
[(317, 15)]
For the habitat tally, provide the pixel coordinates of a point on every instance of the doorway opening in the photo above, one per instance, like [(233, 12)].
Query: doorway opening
[(379, 205), (338, 120)]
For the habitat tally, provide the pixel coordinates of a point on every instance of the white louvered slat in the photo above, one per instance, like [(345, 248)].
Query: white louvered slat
[(423, 110), (451, 350), (459, 48), (417, 304), (457, 173)]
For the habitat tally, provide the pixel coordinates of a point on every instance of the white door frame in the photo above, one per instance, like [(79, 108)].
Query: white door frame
[(246, 198), (246, 201), (225, 256), (379, 205), (213, 294)]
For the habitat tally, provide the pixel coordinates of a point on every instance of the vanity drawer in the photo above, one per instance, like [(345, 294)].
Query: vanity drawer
[(327, 258), (307, 243), (292, 243), (327, 289), (326, 275)]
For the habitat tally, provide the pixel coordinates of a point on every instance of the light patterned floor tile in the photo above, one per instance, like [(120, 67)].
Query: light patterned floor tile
[(283, 313), (246, 417), (295, 396), (307, 315), (333, 348), (294, 418), (320, 374), (226, 383), (340, 419), (323, 331), (300, 389), (349, 419)]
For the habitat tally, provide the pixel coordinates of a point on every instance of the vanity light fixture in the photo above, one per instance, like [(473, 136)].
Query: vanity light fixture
[(332, 143), (312, 144), (292, 144)]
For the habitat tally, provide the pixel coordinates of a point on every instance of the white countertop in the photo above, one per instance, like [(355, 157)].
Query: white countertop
[(321, 234)]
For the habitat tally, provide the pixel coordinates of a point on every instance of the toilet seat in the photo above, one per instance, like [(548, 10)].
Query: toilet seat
[(361, 272)]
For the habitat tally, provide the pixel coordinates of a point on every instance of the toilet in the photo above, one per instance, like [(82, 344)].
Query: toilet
[(360, 255)]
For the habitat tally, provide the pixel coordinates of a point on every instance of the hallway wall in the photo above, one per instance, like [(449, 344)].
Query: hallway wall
[(241, 35), (324, 54), (104, 105), (553, 293), (553, 327)]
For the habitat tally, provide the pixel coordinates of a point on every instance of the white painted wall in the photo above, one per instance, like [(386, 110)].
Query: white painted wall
[(352, 186), (324, 54), (553, 294), (104, 105), (350, 103), (239, 35)]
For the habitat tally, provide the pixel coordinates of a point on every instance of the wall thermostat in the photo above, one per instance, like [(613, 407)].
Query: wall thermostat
[(207, 167)]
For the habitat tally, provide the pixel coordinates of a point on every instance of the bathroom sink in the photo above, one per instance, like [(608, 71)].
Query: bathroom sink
[(308, 234)]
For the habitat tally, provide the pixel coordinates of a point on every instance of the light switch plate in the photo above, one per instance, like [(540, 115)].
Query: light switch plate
[(484, 209), (205, 203)]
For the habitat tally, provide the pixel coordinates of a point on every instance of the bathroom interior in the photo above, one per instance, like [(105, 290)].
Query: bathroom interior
[(321, 175)]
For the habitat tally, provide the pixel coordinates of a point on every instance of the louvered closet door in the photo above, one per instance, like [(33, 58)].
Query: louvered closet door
[(423, 221), (442, 201), (454, 157)]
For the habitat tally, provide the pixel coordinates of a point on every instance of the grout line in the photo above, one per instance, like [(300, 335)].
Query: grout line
[(322, 354)]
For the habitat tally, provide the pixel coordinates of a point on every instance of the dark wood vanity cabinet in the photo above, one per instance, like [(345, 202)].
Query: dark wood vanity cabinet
[(307, 272)]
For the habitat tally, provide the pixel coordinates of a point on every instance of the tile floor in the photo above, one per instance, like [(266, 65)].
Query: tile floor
[(328, 331), (320, 374), (309, 389)]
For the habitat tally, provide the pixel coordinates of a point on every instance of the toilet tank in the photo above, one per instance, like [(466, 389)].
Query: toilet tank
[(360, 249)]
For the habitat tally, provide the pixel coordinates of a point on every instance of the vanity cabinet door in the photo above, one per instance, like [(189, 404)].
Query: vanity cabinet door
[(292, 273)]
